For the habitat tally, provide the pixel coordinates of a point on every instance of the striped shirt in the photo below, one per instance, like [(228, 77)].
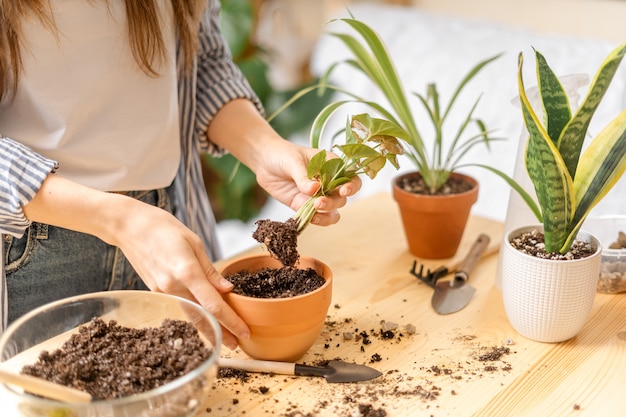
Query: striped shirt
[(214, 81)]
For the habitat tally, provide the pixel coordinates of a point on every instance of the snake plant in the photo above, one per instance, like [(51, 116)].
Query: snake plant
[(568, 182), (435, 160)]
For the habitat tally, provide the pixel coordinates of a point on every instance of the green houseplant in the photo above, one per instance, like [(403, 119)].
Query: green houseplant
[(549, 298), (436, 158), (284, 328)]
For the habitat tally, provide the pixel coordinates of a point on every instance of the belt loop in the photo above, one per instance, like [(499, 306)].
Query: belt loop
[(42, 231)]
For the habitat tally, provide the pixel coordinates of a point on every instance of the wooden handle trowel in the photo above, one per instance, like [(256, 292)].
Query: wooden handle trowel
[(334, 371), (453, 295)]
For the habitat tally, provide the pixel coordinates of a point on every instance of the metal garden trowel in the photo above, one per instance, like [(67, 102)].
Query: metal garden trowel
[(453, 295)]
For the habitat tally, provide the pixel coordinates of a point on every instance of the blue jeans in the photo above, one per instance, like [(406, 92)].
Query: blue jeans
[(49, 263)]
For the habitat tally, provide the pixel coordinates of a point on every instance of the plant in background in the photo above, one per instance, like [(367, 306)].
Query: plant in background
[(435, 160), (569, 184)]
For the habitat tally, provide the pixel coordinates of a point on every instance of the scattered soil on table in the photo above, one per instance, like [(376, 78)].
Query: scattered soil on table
[(282, 282), (110, 361), (416, 185), (426, 382), (533, 243), (280, 238)]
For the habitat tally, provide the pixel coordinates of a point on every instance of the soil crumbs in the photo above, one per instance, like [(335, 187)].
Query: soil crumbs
[(284, 282), (417, 185), (110, 361), (280, 238), (427, 382)]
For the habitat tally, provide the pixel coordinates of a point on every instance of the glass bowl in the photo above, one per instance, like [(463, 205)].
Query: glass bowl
[(607, 229), (48, 327)]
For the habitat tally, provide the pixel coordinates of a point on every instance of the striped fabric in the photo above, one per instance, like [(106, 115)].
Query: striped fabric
[(214, 81)]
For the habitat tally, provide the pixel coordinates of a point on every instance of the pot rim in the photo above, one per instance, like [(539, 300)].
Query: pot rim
[(586, 236), (398, 189), (328, 279)]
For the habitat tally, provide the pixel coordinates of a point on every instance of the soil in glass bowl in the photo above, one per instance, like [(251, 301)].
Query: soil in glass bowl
[(110, 361)]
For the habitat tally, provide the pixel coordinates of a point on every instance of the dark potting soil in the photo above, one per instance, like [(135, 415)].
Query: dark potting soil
[(110, 361), (287, 281), (416, 185), (280, 238), (532, 243)]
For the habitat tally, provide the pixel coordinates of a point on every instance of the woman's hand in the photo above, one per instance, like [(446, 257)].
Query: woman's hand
[(166, 255), (282, 173), (280, 166)]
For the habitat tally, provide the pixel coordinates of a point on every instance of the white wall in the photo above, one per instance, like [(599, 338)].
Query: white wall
[(600, 19)]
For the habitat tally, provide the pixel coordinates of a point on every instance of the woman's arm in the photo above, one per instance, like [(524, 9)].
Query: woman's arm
[(180, 268)]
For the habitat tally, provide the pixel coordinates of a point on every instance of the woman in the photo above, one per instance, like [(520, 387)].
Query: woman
[(105, 106)]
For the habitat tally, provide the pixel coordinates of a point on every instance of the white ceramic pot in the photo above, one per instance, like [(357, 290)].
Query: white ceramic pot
[(548, 300)]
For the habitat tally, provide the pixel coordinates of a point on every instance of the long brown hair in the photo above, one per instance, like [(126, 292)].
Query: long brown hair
[(144, 33)]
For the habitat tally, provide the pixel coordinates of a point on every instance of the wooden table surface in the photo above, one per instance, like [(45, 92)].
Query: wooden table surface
[(470, 363)]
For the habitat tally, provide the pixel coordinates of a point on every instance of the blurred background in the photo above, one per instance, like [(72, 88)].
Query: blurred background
[(279, 45)]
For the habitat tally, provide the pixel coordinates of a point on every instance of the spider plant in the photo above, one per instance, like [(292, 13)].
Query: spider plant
[(436, 159)]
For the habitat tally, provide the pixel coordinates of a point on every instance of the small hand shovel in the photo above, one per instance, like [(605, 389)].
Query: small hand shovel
[(453, 295), (334, 371)]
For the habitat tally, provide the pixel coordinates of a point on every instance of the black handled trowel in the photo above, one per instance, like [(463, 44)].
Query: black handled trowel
[(333, 371)]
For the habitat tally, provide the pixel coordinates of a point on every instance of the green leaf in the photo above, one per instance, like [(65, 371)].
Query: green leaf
[(548, 173), (601, 165), (573, 136), (375, 127), (314, 167), (337, 183), (557, 112), (330, 170), (357, 151)]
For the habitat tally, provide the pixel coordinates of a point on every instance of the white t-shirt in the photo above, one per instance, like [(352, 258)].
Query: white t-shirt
[(83, 100)]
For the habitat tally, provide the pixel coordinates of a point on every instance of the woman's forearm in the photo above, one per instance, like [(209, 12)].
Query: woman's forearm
[(239, 128), (64, 203)]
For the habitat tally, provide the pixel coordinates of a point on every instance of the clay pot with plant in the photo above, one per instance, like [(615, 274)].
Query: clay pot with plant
[(550, 270), (434, 200), (282, 295)]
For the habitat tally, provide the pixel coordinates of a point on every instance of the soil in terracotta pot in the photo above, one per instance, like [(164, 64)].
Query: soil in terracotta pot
[(532, 243), (280, 238), (416, 185), (282, 282), (111, 361)]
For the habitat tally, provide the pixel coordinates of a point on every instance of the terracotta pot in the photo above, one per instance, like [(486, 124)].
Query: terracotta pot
[(548, 300), (434, 225), (281, 329)]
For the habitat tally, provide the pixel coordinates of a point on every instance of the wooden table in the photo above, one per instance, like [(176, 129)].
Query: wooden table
[(470, 363), (443, 368)]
